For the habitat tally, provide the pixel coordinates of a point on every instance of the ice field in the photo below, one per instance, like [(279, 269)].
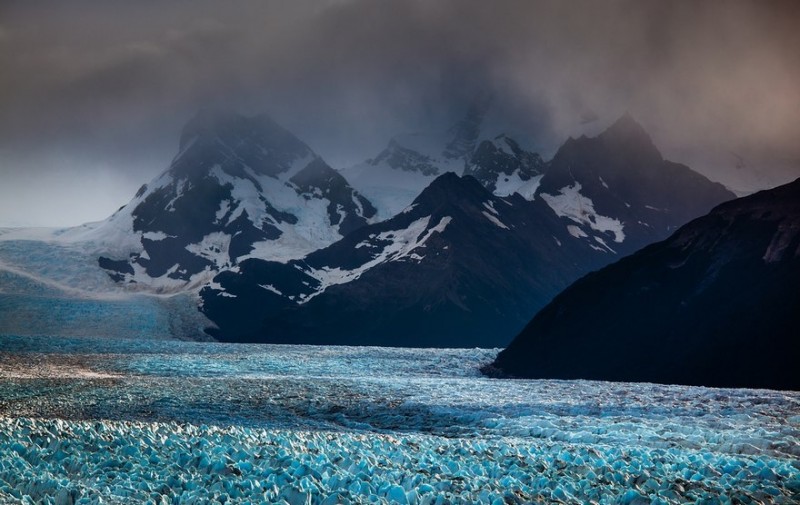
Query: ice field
[(124, 421)]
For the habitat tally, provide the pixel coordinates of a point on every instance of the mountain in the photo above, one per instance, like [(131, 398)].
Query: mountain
[(462, 266), (275, 245), (459, 267), (716, 304), (618, 192), (239, 187), (504, 168), (411, 162)]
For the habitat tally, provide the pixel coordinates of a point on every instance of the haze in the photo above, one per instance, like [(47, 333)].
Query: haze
[(93, 94)]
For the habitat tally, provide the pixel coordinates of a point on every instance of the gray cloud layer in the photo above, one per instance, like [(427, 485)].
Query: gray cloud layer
[(93, 94)]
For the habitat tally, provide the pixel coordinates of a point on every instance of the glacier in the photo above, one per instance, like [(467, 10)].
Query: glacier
[(94, 420)]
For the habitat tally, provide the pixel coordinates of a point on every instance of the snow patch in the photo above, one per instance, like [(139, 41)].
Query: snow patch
[(494, 220), (576, 231), (603, 243), (507, 185), (270, 287), (224, 208), (155, 235), (214, 247), (401, 244), (570, 203), (501, 144)]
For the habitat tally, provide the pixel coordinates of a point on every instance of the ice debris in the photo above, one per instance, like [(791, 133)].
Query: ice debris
[(76, 462)]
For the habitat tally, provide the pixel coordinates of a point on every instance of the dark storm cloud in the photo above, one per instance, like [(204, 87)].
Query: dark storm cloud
[(97, 91)]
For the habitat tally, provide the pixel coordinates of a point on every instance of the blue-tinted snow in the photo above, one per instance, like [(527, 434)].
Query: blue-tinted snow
[(307, 424)]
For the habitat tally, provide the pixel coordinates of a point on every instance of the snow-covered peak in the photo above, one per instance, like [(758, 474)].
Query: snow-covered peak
[(619, 181), (504, 168), (410, 162), (232, 140), (505, 145), (239, 187)]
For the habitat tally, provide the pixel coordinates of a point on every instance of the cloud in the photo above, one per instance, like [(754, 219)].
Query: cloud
[(109, 84)]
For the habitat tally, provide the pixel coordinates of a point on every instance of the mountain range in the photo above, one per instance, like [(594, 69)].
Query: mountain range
[(455, 240), (470, 260), (716, 304)]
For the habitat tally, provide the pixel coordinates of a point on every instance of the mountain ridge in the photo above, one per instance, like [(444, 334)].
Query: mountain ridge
[(237, 184), (719, 294)]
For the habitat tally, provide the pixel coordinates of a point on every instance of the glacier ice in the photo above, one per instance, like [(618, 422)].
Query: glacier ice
[(123, 421)]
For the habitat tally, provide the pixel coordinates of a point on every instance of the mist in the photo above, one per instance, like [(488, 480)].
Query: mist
[(93, 94)]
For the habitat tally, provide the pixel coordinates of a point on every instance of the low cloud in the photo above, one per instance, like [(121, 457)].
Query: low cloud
[(109, 84)]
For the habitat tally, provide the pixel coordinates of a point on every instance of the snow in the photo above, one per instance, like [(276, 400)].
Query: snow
[(572, 204), (155, 235), (395, 246), (494, 220), (270, 287), (575, 231), (181, 187), (388, 189), (200, 423), (313, 229), (224, 208), (507, 185), (501, 143), (213, 247), (70, 268), (393, 189), (528, 189), (603, 243)]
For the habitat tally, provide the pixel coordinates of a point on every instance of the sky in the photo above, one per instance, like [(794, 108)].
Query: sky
[(93, 94)]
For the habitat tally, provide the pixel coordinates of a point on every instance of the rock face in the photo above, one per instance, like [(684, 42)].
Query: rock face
[(238, 187), (716, 304)]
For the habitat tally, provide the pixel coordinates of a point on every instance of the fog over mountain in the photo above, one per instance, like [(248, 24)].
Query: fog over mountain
[(93, 93)]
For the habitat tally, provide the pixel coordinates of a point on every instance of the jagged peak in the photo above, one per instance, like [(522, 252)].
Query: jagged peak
[(229, 126), (450, 187), (466, 131), (625, 135), (504, 140), (627, 128)]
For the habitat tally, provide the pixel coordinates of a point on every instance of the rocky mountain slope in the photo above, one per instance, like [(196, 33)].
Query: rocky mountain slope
[(460, 267), (716, 304)]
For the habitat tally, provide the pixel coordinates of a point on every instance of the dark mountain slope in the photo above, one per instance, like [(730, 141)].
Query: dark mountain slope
[(622, 191), (461, 267), (717, 304)]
